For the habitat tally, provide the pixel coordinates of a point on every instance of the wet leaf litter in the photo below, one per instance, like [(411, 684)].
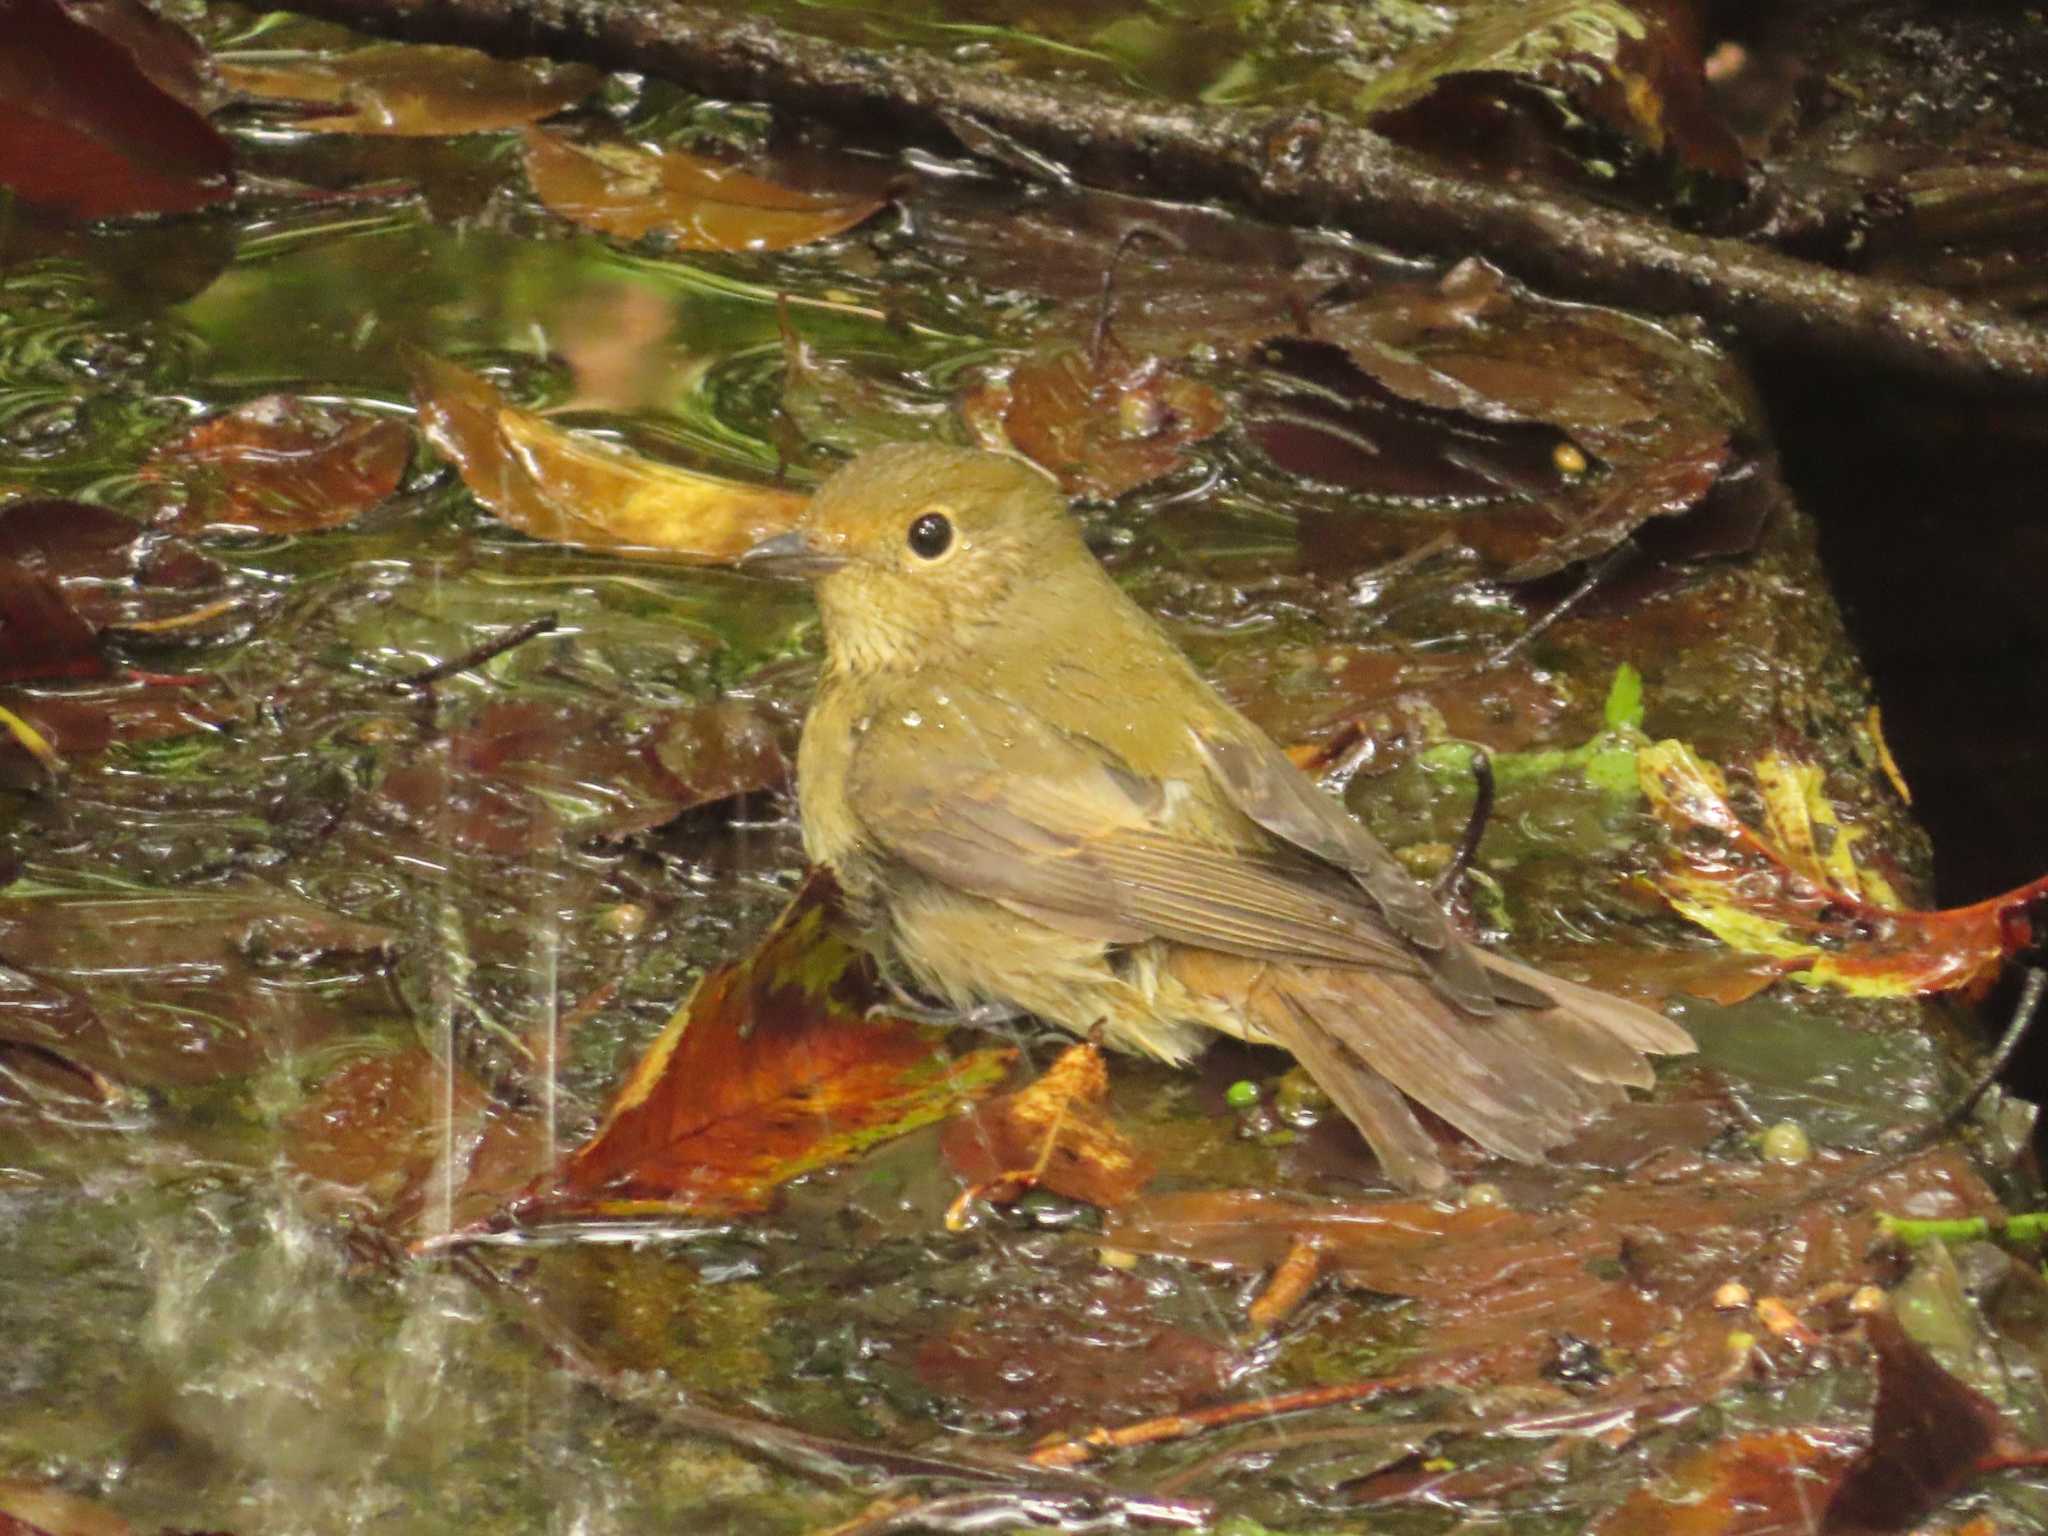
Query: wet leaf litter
[(301, 947)]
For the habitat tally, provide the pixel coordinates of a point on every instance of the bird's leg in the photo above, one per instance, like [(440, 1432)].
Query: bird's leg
[(1453, 875), (903, 1003)]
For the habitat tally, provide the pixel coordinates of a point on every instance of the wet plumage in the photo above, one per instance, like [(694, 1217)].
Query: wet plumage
[(1035, 799)]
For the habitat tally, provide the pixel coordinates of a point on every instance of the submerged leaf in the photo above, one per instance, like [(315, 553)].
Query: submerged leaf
[(1766, 1482), (283, 464), (416, 89), (1928, 1435), (89, 127), (1102, 426), (698, 204), (1797, 891), (571, 488), (771, 1069)]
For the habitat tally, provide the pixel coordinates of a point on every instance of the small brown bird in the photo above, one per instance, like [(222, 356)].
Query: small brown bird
[(1037, 803)]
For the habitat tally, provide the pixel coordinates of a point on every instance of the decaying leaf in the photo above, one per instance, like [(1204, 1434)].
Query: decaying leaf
[(156, 990), (695, 203), (411, 1143), (526, 774), (1051, 1134), (1796, 890), (108, 570), (1928, 1436), (283, 464), (571, 488), (1625, 1266), (415, 89), (1102, 424), (1767, 1482), (771, 1069), (87, 123)]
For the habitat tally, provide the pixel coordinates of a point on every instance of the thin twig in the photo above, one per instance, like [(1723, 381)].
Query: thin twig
[(1178, 1426), (490, 650)]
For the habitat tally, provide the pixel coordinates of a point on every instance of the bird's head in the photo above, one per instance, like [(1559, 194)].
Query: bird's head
[(915, 548)]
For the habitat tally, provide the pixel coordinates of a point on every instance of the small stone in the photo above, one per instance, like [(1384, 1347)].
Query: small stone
[(622, 919), (1866, 1300), (1569, 458), (1731, 1297), (1117, 1258), (1483, 1194)]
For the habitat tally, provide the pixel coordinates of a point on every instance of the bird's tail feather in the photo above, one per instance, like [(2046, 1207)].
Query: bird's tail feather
[(1519, 1083)]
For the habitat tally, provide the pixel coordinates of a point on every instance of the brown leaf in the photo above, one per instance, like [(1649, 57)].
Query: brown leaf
[(412, 1143), (720, 751), (86, 129), (282, 464), (1052, 1130), (572, 489), (110, 571), (1763, 1483), (771, 1069), (1623, 1266), (697, 204), (1095, 1347), (1928, 1436), (30, 1509), (417, 90), (523, 774), (1102, 426), (155, 991)]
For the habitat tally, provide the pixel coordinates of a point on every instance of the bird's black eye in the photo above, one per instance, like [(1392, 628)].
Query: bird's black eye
[(931, 535)]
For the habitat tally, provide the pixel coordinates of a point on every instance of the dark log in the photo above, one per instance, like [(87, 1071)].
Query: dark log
[(1300, 167)]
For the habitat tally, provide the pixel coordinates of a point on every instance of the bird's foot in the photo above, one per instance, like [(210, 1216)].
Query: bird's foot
[(902, 1003)]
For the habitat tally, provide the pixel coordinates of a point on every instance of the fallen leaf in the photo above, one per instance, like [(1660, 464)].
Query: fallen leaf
[(283, 464), (109, 570), (1102, 424), (1052, 1131), (569, 488), (1767, 1482), (161, 990), (416, 90), (78, 723), (30, 1509), (412, 1143), (1623, 1266), (84, 126), (42, 636), (1796, 890), (524, 774), (771, 1069), (1315, 413), (1928, 1436), (1070, 1355), (695, 203)]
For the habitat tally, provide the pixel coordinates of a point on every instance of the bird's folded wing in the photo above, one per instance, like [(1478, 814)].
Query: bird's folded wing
[(1268, 788), (1066, 832)]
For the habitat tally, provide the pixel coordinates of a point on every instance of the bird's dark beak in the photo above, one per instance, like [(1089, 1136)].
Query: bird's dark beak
[(788, 554)]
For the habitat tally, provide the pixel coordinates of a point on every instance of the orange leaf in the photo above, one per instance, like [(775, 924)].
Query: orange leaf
[(1798, 893), (1763, 1483), (1050, 1131), (699, 204), (282, 464), (558, 485), (771, 1069), (1101, 426), (417, 90)]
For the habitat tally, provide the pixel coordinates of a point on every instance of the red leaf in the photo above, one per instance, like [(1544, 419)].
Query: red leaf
[(1927, 1438), (770, 1070), (84, 127), (1102, 426), (283, 465)]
